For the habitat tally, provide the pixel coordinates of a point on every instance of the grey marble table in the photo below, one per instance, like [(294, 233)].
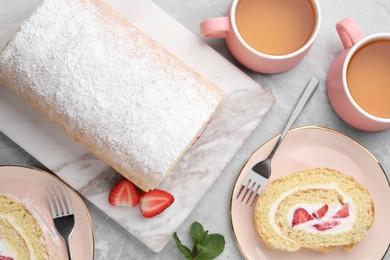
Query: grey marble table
[(112, 242)]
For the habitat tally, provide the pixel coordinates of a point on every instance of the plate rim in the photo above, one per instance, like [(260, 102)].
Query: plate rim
[(271, 140), (69, 187)]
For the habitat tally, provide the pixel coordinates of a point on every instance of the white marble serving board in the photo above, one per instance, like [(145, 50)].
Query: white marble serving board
[(245, 105)]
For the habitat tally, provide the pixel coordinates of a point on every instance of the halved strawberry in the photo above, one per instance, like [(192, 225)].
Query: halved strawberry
[(326, 225), (154, 202), (321, 212), (343, 212), (301, 216), (125, 193)]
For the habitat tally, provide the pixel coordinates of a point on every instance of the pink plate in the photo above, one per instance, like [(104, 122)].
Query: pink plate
[(306, 148), (30, 184)]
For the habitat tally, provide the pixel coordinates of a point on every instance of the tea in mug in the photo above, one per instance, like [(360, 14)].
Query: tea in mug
[(368, 78), (275, 27)]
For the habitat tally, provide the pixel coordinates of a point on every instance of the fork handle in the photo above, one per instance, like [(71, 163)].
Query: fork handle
[(304, 98), (68, 248)]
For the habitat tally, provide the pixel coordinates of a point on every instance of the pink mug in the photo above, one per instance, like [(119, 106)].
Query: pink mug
[(226, 27), (339, 95)]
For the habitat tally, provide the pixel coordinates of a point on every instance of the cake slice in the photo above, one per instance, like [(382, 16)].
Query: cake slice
[(320, 209), (22, 235), (109, 86)]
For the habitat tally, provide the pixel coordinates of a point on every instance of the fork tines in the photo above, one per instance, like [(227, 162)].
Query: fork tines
[(253, 184), (64, 206), (251, 187)]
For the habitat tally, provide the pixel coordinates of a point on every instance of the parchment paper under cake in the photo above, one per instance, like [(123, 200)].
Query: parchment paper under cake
[(244, 106)]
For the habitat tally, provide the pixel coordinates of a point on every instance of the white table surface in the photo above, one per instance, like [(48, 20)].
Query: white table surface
[(112, 242)]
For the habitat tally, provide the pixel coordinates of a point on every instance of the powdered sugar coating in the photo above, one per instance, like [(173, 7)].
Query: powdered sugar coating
[(110, 87)]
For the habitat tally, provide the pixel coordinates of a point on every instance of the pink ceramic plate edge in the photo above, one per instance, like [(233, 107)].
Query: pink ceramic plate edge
[(29, 184), (347, 160)]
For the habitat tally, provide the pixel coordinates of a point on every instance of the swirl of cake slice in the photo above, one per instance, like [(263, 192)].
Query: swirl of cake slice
[(320, 209), (22, 234), (109, 86)]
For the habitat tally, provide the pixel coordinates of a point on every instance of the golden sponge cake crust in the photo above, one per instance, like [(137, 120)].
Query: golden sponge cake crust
[(276, 206)]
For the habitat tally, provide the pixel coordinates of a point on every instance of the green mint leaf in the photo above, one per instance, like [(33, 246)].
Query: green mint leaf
[(206, 247), (197, 233), (203, 256), (182, 248), (212, 246), (202, 238)]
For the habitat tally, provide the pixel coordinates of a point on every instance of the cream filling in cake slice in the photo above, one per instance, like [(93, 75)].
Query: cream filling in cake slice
[(5, 250), (31, 247), (346, 223), (343, 224), (276, 204), (23, 233), (319, 209)]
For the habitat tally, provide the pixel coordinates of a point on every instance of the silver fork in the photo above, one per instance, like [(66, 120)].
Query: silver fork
[(62, 213), (258, 176)]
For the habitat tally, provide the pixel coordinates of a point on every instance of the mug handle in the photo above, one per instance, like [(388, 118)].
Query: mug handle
[(349, 32), (215, 27)]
